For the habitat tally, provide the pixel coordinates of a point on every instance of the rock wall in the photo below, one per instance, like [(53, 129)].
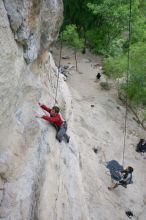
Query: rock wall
[(27, 75), (35, 24)]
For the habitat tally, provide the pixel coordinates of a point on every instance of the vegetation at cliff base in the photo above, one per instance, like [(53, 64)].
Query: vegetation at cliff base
[(113, 29)]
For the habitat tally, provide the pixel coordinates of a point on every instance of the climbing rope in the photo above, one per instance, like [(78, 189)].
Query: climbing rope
[(60, 54), (127, 80)]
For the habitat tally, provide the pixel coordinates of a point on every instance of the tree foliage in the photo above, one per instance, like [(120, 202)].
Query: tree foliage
[(104, 26), (113, 22), (104, 21), (71, 37), (117, 67)]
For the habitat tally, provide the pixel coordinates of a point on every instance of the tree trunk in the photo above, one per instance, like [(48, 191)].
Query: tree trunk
[(76, 60), (138, 120)]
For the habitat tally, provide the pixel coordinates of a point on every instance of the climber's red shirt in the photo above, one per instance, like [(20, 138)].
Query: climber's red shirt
[(55, 119)]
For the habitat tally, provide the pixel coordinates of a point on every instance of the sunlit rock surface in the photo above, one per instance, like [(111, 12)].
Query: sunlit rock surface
[(35, 24), (27, 28)]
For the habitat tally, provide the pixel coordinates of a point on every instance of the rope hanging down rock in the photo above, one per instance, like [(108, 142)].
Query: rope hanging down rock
[(60, 54), (127, 79)]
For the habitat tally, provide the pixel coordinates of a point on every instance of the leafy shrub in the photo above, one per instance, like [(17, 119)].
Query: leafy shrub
[(71, 37), (117, 67)]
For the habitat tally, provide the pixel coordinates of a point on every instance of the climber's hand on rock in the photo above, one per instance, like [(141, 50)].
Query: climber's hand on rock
[(39, 104)]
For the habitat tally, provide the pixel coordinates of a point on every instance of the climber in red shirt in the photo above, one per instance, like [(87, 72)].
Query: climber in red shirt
[(56, 120)]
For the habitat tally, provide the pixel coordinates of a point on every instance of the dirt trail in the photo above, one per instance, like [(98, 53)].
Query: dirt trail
[(102, 127)]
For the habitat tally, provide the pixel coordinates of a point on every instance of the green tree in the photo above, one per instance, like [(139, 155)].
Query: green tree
[(104, 25), (71, 37), (117, 68), (113, 20), (76, 12), (103, 22)]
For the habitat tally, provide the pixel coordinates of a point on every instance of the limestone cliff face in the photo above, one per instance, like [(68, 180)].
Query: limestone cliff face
[(27, 28), (35, 24)]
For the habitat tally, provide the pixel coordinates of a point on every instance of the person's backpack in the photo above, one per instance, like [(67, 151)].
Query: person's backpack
[(114, 168), (141, 146)]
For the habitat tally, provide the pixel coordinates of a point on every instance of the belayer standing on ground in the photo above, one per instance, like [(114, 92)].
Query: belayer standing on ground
[(126, 178), (56, 120), (98, 77)]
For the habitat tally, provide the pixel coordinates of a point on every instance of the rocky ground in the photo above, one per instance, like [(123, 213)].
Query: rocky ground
[(98, 122)]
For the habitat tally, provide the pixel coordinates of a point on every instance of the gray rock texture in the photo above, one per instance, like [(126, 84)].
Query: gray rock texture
[(27, 29), (35, 24)]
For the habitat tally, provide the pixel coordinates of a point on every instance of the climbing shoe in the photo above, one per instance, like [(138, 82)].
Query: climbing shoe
[(67, 140), (59, 140)]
